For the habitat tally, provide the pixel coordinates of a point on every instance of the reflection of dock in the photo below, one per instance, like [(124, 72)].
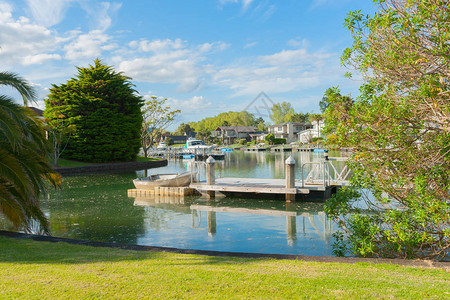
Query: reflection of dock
[(291, 219), (244, 210)]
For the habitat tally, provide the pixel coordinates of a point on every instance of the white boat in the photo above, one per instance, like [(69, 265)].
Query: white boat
[(161, 145), (160, 180), (196, 144)]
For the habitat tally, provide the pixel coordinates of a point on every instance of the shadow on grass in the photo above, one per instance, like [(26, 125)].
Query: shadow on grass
[(22, 248)]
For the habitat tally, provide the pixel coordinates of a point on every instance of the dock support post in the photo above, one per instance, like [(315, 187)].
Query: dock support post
[(212, 224), (290, 177), (210, 175)]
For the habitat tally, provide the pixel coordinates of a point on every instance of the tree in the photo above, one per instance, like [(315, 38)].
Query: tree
[(260, 124), (316, 118), (270, 138), (104, 110), (24, 165), (231, 118), (400, 130), (157, 116), (203, 135), (281, 113), (183, 129), (169, 141), (300, 117), (19, 84), (330, 96), (59, 136)]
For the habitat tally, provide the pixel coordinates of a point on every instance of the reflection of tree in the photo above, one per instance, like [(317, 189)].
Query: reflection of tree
[(95, 208)]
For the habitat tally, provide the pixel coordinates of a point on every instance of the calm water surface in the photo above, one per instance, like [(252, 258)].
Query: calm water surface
[(97, 208)]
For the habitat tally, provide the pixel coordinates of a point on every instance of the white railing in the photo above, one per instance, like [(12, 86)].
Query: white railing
[(326, 172)]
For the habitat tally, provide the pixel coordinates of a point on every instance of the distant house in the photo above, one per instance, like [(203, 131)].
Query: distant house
[(181, 139), (37, 111), (258, 136), (288, 130), (307, 135), (230, 134)]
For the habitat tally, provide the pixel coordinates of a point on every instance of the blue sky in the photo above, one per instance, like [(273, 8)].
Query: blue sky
[(206, 56)]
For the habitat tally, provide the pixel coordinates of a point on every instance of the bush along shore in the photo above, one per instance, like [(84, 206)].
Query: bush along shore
[(110, 167)]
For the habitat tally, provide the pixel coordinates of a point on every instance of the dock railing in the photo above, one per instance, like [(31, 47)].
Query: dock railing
[(326, 173)]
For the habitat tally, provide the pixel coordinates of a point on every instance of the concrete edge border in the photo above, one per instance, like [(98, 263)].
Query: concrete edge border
[(110, 167), (324, 259)]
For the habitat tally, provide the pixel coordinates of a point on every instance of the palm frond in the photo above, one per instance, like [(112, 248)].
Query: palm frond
[(21, 85)]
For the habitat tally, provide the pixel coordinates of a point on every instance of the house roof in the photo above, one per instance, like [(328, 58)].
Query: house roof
[(293, 123), (37, 111), (237, 128), (178, 137)]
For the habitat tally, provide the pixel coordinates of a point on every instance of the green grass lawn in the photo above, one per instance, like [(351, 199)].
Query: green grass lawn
[(42, 270), (142, 159)]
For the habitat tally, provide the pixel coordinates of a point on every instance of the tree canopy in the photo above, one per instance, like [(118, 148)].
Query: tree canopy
[(157, 116), (399, 128), (24, 165), (104, 110), (281, 112), (231, 118)]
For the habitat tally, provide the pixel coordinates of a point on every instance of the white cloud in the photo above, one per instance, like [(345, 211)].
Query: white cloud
[(48, 12), (285, 71), (23, 42), (40, 58), (169, 61), (249, 45), (51, 12), (88, 46), (245, 4), (100, 13), (192, 105), (157, 46)]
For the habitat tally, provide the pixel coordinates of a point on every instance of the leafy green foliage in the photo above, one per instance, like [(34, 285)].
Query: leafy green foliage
[(157, 116), (231, 118), (183, 129), (169, 141), (400, 130), (281, 112), (24, 165), (270, 138), (104, 110), (242, 142), (279, 141)]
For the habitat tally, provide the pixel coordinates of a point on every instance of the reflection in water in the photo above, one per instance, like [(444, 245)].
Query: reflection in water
[(96, 207), (243, 225)]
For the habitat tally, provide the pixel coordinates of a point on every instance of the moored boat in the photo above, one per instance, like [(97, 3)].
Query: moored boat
[(163, 180)]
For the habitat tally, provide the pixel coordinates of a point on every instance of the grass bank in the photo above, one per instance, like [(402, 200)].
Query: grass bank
[(43, 270), (66, 163)]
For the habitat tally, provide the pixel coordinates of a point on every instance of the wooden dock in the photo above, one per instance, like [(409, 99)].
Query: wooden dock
[(281, 149), (258, 186), (257, 149), (318, 180)]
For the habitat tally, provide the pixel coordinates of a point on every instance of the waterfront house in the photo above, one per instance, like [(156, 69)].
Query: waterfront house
[(258, 136), (231, 134), (306, 136), (289, 130)]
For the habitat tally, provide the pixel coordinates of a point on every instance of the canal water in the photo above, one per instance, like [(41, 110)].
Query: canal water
[(97, 208)]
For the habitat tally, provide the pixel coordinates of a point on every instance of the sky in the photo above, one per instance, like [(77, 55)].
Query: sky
[(204, 56)]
